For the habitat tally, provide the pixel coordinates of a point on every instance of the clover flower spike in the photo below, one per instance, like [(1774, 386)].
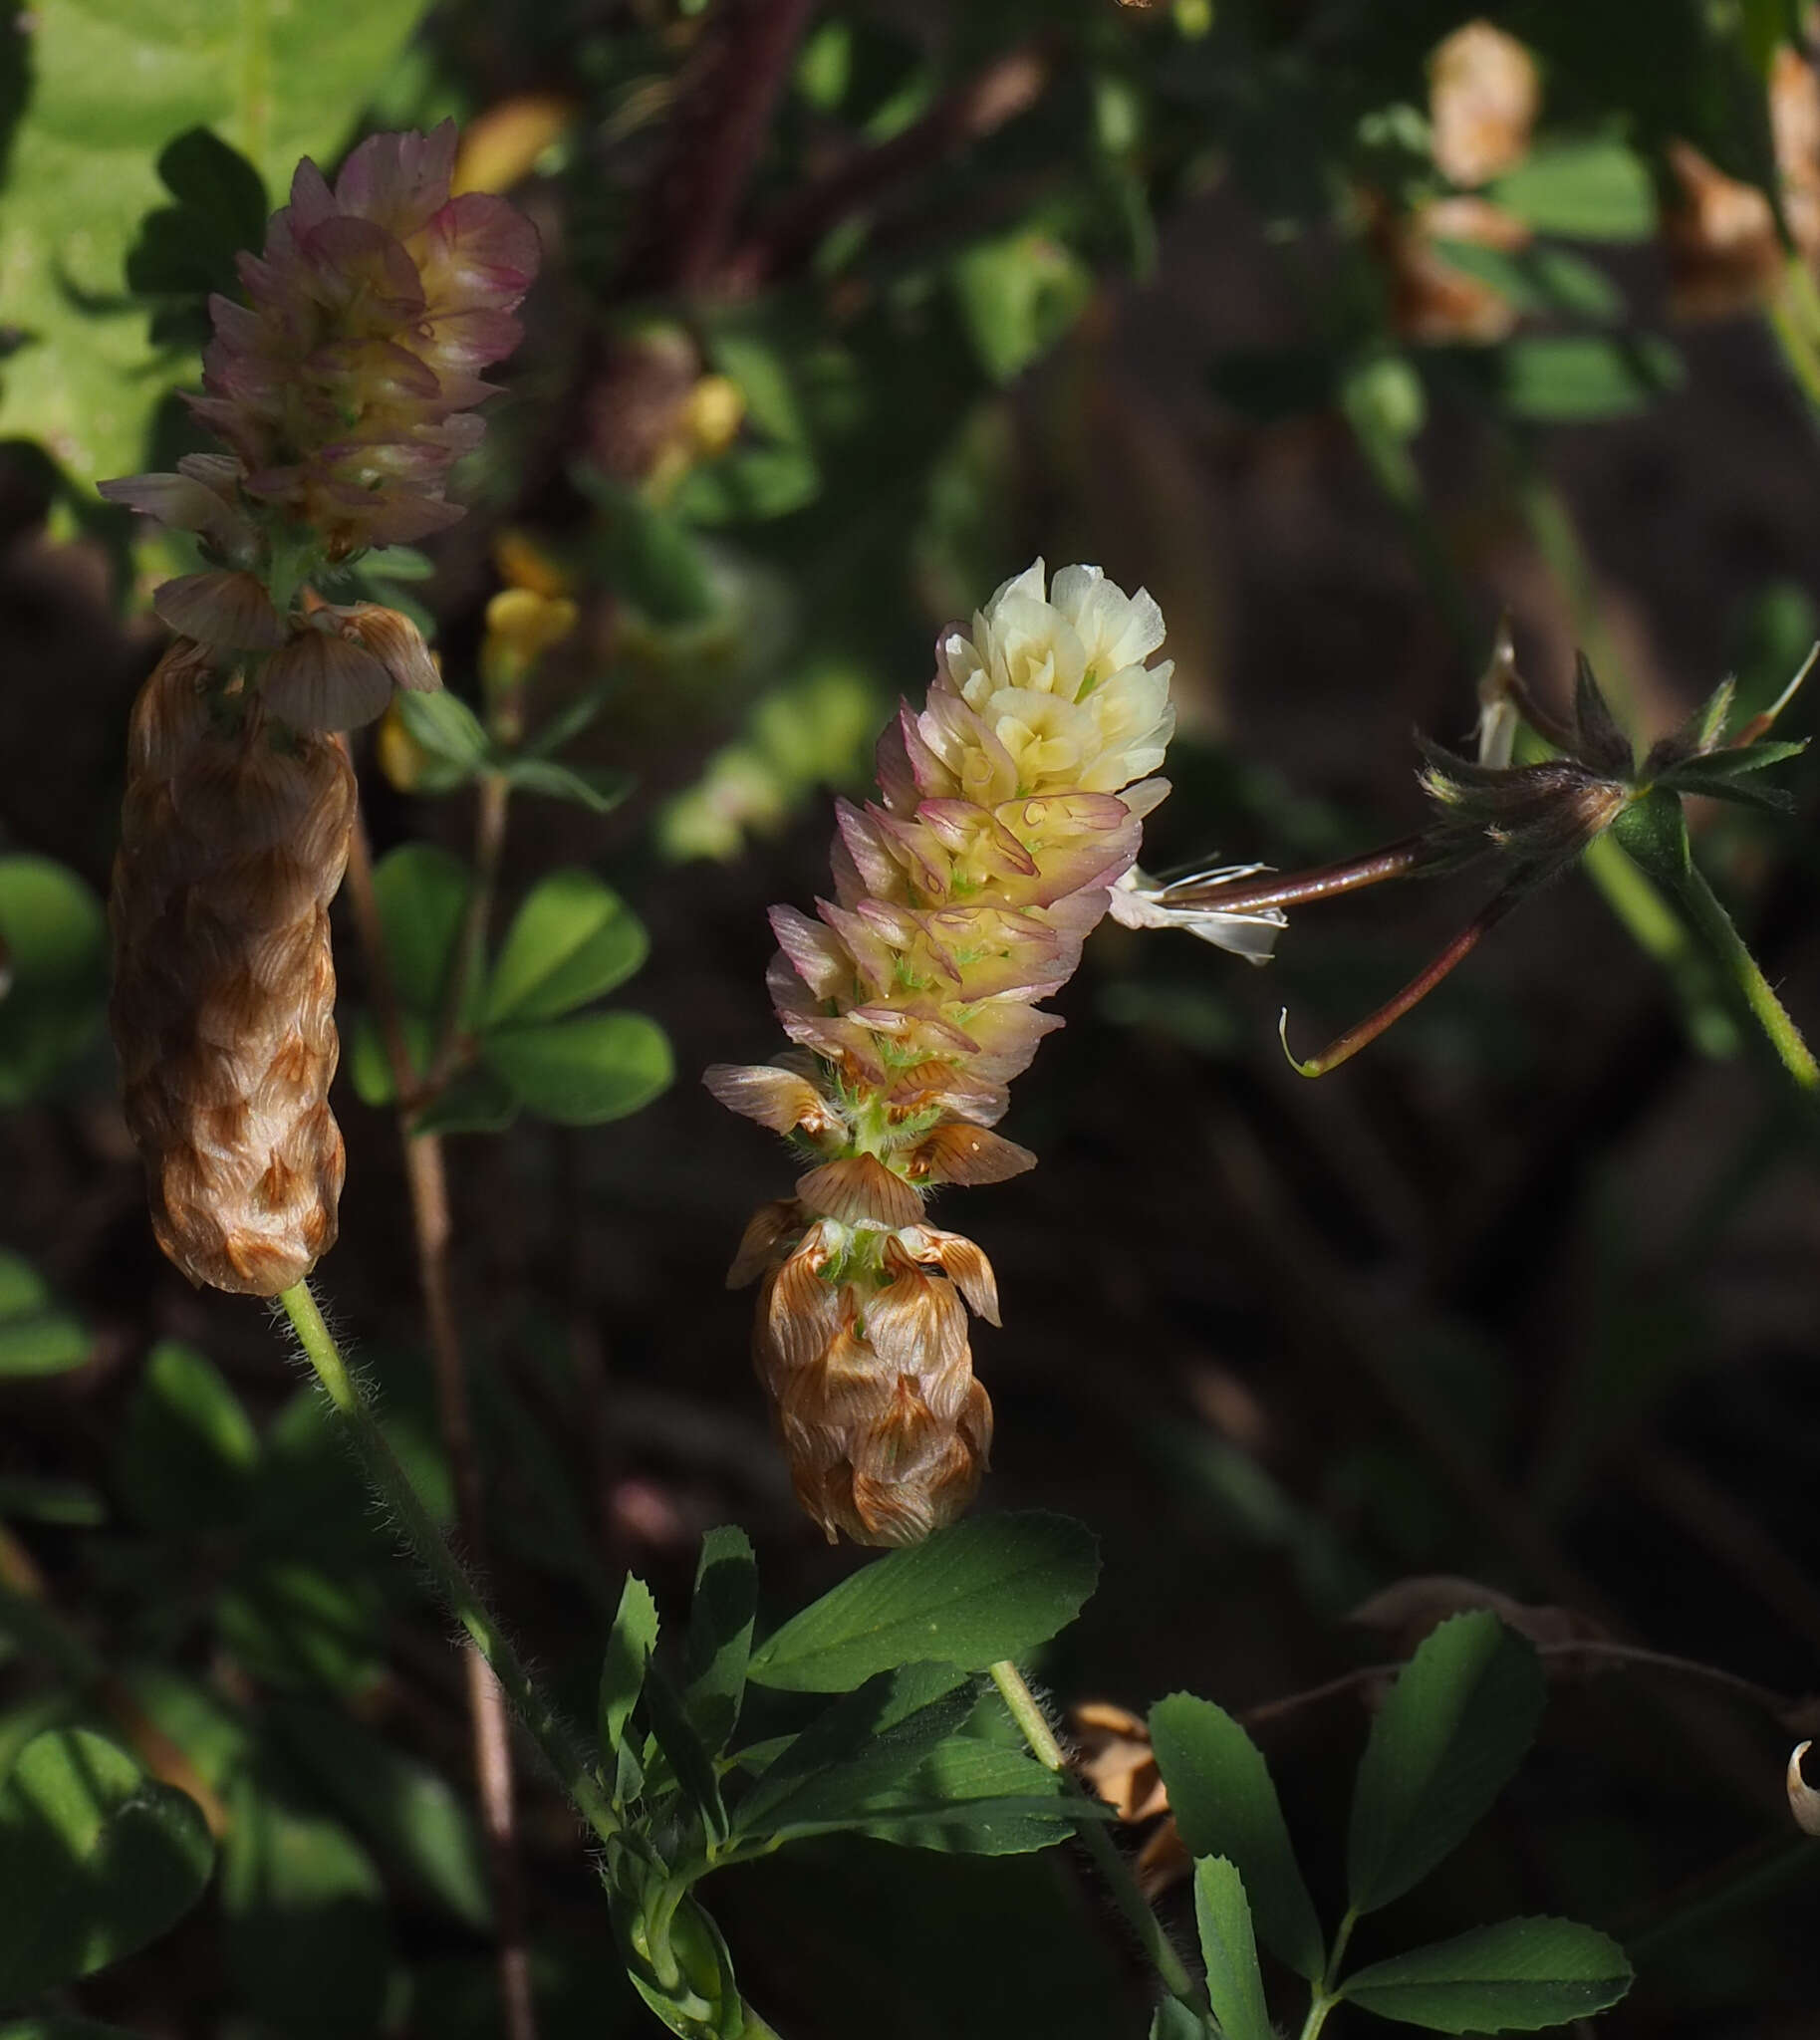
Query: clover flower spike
[(1011, 810)]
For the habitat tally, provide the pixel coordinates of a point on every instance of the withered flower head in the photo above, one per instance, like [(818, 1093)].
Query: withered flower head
[(1484, 97), (346, 390), (233, 840)]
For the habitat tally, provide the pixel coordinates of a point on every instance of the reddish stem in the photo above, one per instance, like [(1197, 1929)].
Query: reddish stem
[(1418, 987)]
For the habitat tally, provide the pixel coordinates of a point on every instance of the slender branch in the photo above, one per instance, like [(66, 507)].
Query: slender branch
[(1327, 1992), (723, 109), (1008, 86), (1024, 1709), (492, 796), (1400, 859), (1418, 987), (427, 1181), (1591, 1651), (370, 931), (419, 1528)]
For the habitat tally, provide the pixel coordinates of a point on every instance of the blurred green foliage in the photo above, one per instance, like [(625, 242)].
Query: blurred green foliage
[(761, 490)]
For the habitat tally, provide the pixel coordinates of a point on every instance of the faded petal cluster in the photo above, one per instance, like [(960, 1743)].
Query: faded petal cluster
[(962, 897), (347, 389)]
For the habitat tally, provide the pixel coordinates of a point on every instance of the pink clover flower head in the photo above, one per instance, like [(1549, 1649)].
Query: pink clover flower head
[(344, 387)]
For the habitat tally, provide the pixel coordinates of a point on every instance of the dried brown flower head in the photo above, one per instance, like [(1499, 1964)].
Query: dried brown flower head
[(233, 839)]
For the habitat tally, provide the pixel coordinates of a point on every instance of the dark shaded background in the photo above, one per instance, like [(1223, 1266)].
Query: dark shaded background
[(1527, 1295)]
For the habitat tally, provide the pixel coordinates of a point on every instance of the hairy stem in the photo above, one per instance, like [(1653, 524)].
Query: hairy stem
[(419, 1528), (1025, 1710), (1715, 925)]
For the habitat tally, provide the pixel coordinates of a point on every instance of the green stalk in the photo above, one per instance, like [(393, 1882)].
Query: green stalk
[(392, 1485), (1023, 1705), (1712, 922), (1662, 935), (1326, 1994)]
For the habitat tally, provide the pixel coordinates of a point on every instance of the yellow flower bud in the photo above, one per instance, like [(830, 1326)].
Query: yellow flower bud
[(712, 415)]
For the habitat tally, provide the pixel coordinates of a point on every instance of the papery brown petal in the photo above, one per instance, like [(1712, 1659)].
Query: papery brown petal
[(799, 1313), (856, 1188), (231, 847), (220, 607), (395, 641), (1162, 1861), (320, 682), (778, 1099), (1484, 97), (958, 1152), (770, 1226), (958, 1258), (1114, 1755), (915, 1324)]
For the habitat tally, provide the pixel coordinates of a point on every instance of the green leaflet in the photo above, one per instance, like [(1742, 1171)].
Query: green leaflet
[(115, 81)]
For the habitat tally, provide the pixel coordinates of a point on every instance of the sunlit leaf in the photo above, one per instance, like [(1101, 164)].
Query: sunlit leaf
[(115, 81), (970, 1595), (96, 1859), (581, 1072), (572, 939)]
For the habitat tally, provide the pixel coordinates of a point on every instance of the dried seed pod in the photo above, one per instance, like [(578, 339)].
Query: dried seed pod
[(233, 840)]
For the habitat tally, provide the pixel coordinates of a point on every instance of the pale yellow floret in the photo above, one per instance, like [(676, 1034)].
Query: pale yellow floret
[(1061, 683)]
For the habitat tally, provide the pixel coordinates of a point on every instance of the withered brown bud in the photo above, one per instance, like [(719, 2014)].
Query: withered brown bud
[(233, 840)]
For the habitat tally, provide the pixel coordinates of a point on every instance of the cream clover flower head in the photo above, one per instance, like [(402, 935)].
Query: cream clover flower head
[(1060, 683)]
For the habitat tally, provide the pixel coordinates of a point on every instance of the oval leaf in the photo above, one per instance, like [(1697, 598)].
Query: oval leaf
[(422, 894), (188, 1449), (96, 1859), (1226, 1804), (1234, 1987), (36, 1337), (633, 1639), (572, 939), (970, 1797), (582, 1071), (1453, 1728), (305, 1931), (53, 972), (1507, 1978), (990, 1588), (719, 1634)]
